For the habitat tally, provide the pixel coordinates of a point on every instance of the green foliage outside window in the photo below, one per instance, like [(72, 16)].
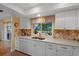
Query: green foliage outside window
[(43, 27)]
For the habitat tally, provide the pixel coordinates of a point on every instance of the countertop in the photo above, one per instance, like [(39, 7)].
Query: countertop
[(56, 41)]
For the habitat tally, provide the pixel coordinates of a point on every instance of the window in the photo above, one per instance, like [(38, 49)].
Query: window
[(47, 28), (43, 28)]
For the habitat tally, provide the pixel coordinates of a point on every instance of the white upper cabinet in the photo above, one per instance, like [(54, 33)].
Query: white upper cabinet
[(70, 20), (77, 19), (59, 21), (23, 24), (66, 20)]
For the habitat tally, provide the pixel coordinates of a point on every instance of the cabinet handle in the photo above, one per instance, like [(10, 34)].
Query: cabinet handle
[(74, 48), (50, 48), (64, 47)]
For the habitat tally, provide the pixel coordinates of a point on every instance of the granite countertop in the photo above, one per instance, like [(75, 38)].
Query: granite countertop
[(56, 41)]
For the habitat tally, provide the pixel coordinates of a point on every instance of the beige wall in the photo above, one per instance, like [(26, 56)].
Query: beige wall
[(2, 24), (16, 21)]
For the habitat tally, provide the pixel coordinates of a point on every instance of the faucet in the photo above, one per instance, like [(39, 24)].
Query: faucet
[(39, 34)]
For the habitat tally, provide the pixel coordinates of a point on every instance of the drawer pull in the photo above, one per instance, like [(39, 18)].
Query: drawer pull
[(74, 48), (64, 47), (50, 48)]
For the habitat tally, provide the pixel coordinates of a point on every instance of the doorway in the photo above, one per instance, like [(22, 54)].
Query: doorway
[(7, 35)]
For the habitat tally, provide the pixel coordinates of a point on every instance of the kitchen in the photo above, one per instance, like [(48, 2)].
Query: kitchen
[(52, 35), (45, 29)]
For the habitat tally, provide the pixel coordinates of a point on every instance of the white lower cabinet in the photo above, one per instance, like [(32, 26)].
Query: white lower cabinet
[(75, 51), (63, 50), (21, 44), (32, 47), (28, 47), (50, 49), (38, 48), (17, 47)]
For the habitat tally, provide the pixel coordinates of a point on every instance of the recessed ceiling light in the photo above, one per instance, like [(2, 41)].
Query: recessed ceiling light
[(38, 15)]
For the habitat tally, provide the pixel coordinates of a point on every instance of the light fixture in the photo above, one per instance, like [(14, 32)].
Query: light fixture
[(38, 15)]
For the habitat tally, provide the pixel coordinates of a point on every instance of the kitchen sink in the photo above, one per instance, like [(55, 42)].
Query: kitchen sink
[(40, 38)]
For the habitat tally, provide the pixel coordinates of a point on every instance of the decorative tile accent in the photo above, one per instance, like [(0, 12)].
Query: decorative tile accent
[(66, 34)]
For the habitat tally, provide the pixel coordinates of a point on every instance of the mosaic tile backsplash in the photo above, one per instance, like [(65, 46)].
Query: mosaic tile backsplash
[(66, 34)]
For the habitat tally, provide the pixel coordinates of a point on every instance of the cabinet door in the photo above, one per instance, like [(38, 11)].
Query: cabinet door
[(77, 19), (59, 21), (38, 48), (64, 50), (28, 47), (23, 24), (17, 44), (70, 20), (50, 49), (75, 51), (25, 46), (21, 45)]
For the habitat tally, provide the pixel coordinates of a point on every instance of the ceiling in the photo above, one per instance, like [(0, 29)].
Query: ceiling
[(31, 10)]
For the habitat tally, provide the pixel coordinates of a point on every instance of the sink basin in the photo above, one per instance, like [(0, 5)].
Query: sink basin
[(40, 38)]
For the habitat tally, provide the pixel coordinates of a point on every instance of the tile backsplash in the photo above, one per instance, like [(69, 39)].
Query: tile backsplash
[(24, 32), (66, 34), (57, 34)]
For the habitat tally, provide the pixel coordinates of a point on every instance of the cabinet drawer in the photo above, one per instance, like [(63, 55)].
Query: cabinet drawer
[(64, 47), (64, 50)]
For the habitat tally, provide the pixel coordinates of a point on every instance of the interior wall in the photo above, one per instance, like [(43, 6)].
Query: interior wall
[(2, 33), (15, 27), (1, 30)]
